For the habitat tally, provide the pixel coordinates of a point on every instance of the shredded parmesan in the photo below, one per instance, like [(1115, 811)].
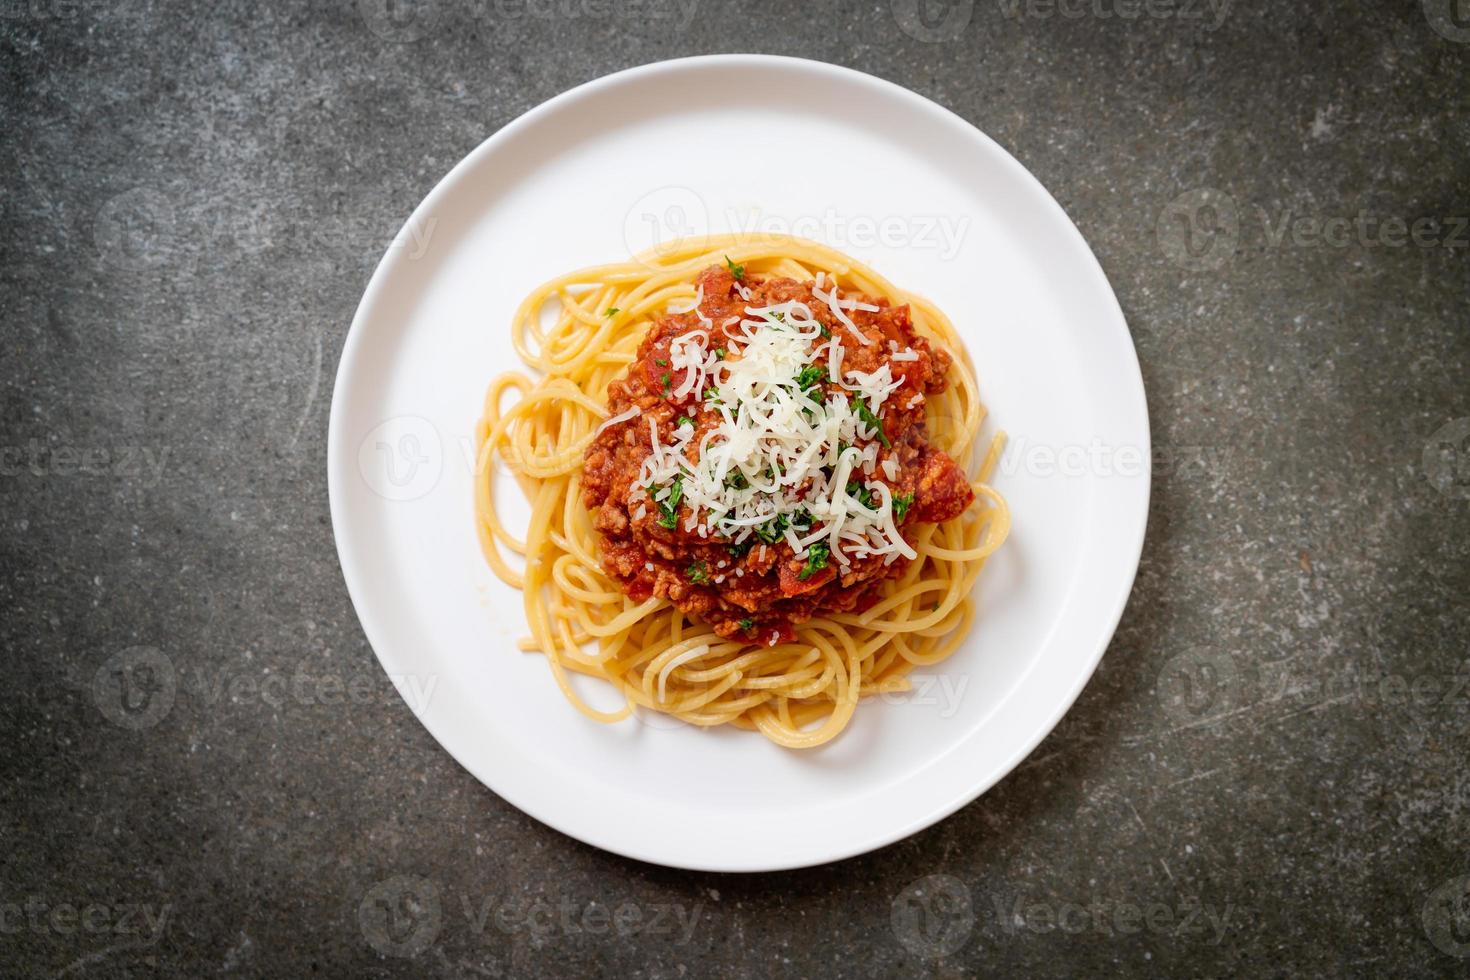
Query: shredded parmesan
[(617, 419), (781, 464)]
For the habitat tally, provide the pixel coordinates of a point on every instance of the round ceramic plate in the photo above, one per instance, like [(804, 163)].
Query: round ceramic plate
[(720, 144)]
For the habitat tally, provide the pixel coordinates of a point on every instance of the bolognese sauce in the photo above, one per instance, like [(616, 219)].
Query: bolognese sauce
[(764, 452)]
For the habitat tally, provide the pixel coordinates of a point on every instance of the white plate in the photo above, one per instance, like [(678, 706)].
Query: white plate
[(699, 145)]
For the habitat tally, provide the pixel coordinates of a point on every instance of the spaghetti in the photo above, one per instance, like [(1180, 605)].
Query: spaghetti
[(786, 469)]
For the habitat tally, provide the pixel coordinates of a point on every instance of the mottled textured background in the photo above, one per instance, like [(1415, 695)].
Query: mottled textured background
[(1268, 773)]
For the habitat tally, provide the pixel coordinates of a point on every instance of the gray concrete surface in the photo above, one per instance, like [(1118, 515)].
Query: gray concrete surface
[(1268, 774)]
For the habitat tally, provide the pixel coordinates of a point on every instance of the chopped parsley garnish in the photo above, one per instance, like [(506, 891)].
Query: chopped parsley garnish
[(802, 518), (712, 395), (746, 624), (901, 504), (862, 493), (773, 530), (683, 421), (860, 405), (612, 311), (826, 333), (669, 506), (737, 481), (816, 560), (698, 573), (667, 382), (738, 271), (720, 353), (812, 377), (740, 550), (660, 362)]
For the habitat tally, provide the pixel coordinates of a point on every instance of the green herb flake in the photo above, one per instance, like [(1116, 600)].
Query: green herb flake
[(720, 353), (746, 624), (667, 383), (773, 530), (816, 560), (612, 311), (698, 573), (738, 271), (901, 504), (683, 421), (862, 493), (860, 405), (669, 507), (812, 374), (660, 362)]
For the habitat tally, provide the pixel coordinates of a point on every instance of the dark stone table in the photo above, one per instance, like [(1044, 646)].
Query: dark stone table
[(1268, 774)]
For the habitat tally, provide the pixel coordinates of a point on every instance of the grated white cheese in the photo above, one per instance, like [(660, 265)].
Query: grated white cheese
[(776, 452), (617, 419)]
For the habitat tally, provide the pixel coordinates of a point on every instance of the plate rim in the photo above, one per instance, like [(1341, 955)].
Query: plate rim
[(339, 459)]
